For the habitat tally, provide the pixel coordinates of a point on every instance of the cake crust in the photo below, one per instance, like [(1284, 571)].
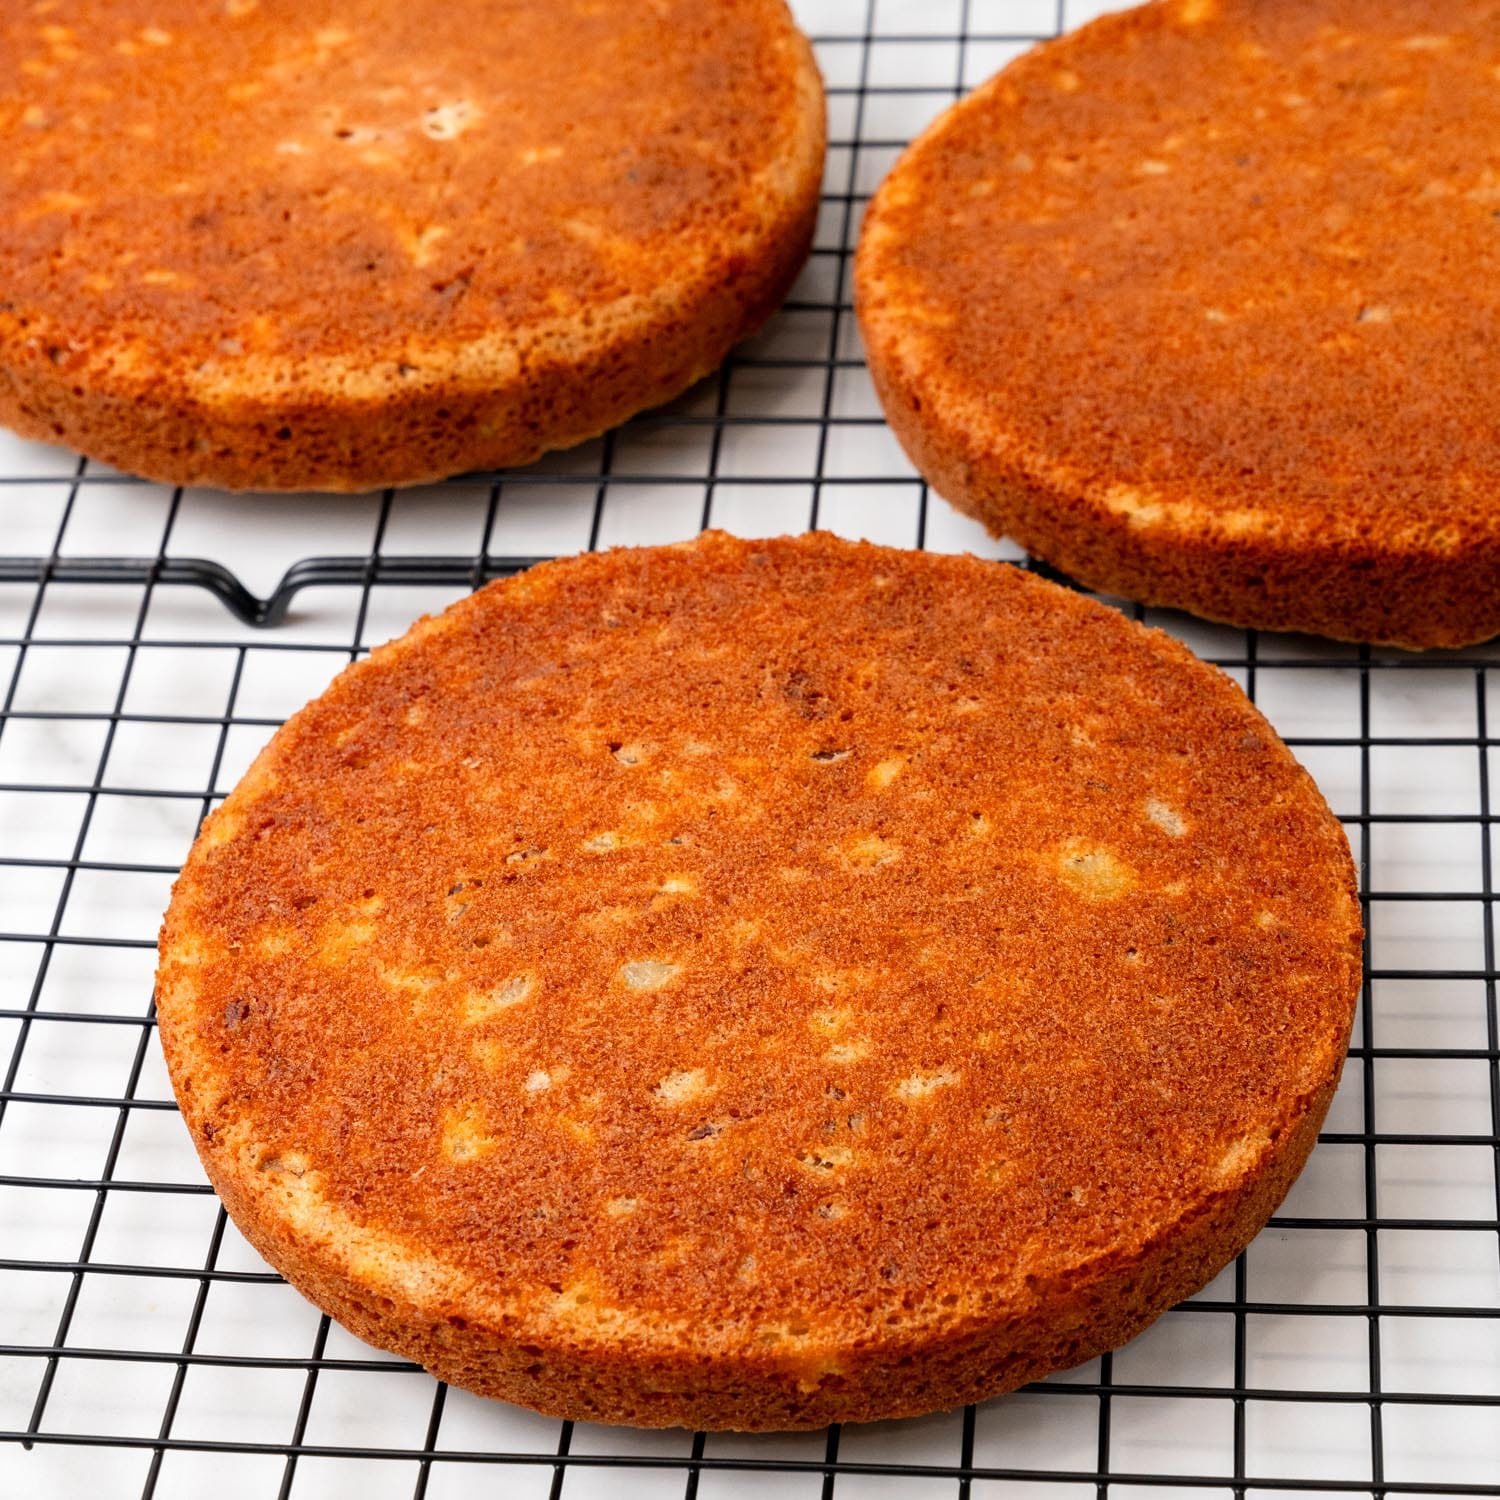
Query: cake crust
[(1195, 303), (293, 244), (760, 984)]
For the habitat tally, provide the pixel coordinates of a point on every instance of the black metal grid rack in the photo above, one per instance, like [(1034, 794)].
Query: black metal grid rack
[(147, 649)]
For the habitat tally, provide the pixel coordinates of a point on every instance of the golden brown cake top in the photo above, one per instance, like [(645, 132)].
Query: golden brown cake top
[(741, 942), (1229, 264), (232, 187)]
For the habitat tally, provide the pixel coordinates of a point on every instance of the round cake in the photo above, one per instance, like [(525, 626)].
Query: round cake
[(760, 984), (293, 244), (1198, 304)]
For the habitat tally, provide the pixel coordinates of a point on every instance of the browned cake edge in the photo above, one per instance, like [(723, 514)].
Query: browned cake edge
[(1347, 588), (1345, 584), (1062, 1322), (497, 403), (644, 1374)]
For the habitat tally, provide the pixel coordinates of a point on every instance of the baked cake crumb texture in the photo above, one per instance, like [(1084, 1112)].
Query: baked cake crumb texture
[(899, 1044)]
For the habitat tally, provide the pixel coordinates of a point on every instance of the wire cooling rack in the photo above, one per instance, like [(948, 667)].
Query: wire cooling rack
[(150, 641)]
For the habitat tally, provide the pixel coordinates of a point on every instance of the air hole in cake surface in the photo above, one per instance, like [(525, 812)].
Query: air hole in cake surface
[(291, 1163), (481, 1006), (847, 1052), (1240, 1154), (647, 973), (445, 121), (868, 851), (1165, 818), (920, 1085), (679, 1088), (464, 1137), (826, 1158), (1094, 873)]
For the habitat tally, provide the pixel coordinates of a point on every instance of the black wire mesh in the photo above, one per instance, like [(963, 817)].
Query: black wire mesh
[(144, 1349)]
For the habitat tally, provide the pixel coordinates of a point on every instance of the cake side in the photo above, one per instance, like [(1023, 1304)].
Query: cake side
[(340, 254), (1190, 302)]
